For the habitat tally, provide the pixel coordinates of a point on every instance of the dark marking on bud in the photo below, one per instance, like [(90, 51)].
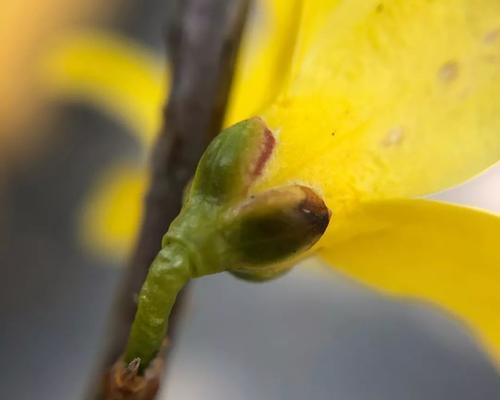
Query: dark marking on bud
[(267, 147)]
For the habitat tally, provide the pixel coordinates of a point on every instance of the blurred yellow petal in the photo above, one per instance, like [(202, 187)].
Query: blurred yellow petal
[(111, 215), (444, 253), (129, 82), (266, 52), (26, 29), (391, 99), (113, 73)]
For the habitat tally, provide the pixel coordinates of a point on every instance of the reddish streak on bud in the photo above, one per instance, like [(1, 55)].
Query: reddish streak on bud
[(266, 150)]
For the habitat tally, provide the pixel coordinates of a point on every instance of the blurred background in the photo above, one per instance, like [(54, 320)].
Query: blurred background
[(81, 84)]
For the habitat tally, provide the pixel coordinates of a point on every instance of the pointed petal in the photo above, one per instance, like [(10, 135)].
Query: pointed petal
[(266, 52), (118, 75), (436, 251)]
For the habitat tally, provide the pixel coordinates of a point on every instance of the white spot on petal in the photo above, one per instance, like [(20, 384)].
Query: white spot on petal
[(393, 137)]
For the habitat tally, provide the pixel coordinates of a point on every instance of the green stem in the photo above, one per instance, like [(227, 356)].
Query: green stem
[(168, 274), (222, 228)]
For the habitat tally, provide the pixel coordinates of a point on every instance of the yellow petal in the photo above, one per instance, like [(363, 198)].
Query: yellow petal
[(392, 98), (436, 251), (117, 75), (110, 217), (266, 50)]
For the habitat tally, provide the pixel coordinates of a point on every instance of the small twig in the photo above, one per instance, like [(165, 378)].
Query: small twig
[(203, 40)]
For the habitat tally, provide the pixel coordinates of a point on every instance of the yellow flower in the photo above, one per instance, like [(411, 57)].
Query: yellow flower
[(393, 100), (374, 104)]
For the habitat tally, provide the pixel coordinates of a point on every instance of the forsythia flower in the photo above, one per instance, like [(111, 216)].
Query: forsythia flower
[(375, 103)]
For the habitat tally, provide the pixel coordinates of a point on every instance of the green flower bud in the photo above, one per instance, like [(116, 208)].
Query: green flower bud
[(222, 228), (233, 161), (273, 227)]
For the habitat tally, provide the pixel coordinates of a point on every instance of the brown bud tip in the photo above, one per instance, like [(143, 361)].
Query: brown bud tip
[(275, 225), (313, 208)]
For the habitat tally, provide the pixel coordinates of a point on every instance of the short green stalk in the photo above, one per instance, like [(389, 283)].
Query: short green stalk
[(168, 274), (223, 228)]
